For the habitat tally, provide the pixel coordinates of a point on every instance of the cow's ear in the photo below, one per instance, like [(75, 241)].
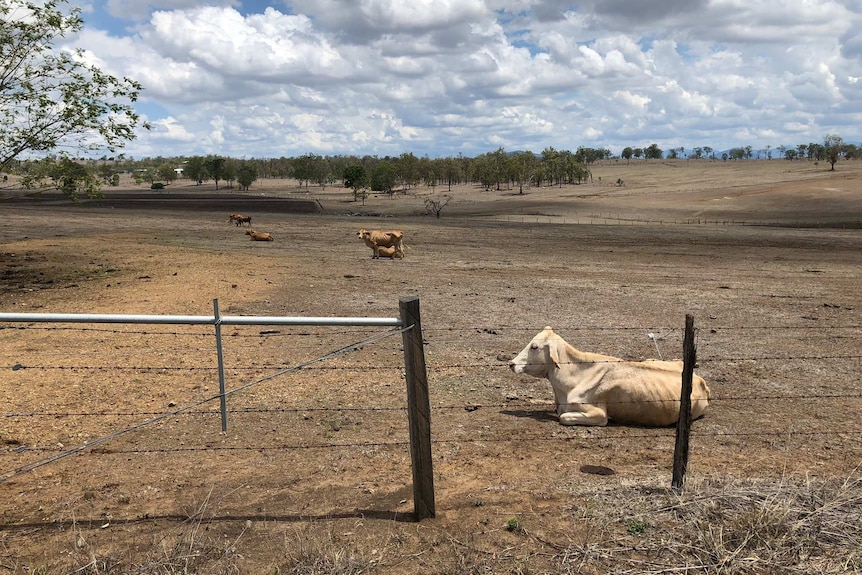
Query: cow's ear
[(555, 357)]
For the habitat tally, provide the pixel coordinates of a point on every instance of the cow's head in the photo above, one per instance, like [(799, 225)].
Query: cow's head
[(363, 233), (540, 354)]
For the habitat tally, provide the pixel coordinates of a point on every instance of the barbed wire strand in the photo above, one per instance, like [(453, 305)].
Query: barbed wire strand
[(431, 366), (544, 438), (466, 406), (90, 444)]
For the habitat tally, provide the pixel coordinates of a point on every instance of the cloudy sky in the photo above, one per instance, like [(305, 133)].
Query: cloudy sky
[(270, 78)]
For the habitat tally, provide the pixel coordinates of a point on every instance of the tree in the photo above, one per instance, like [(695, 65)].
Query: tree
[(523, 168), (498, 166), (653, 152), (215, 167), (436, 205), (68, 176), (451, 171), (196, 169), (833, 147), (407, 170), (737, 153), (246, 175), (383, 178), (50, 98), (303, 168), (167, 173), (627, 153), (75, 179), (356, 177), (321, 171), (142, 175), (552, 166), (108, 173)]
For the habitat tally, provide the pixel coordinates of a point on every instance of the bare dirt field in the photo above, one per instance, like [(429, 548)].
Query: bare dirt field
[(313, 474)]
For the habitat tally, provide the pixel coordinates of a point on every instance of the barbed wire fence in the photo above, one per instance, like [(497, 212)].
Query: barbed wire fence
[(54, 361)]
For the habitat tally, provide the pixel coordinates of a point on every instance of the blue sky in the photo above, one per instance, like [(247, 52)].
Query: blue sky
[(443, 77)]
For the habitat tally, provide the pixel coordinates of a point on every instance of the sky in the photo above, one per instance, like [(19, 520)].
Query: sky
[(273, 78)]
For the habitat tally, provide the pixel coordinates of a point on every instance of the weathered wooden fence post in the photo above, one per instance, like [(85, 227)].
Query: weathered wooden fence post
[(418, 409), (683, 425)]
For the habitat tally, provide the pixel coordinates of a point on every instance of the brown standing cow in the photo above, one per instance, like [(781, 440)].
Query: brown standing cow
[(376, 239)]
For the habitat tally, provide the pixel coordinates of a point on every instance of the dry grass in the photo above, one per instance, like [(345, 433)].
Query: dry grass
[(717, 526), (732, 526)]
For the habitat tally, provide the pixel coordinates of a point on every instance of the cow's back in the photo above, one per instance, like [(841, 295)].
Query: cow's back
[(648, 393), (387, 239)]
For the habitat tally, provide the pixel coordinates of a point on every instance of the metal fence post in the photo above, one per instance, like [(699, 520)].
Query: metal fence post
[(418, 409), (220, 353)]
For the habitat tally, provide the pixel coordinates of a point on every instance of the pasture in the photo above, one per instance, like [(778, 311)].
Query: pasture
[(313, 474)]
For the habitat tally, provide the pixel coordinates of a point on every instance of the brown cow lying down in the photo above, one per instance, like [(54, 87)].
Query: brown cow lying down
[(259, 236), (590, 388), (376, 239)]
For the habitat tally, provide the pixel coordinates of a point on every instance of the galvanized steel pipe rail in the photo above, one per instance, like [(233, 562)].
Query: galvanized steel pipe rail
[(199, 319), (414, 360)]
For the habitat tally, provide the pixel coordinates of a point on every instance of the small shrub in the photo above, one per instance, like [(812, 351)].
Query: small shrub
[(636, 527), (157, 186)]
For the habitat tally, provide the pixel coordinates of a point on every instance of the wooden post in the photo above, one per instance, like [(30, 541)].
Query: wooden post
[(418, 409), (683, 425)]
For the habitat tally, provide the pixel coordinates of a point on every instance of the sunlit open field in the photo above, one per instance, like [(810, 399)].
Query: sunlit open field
[(313, 473)]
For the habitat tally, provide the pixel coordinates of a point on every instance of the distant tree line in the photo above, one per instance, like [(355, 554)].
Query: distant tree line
[(831, 150), (498, 170)]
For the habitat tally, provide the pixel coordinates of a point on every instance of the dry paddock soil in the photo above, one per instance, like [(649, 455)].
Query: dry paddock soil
[(313, 474)]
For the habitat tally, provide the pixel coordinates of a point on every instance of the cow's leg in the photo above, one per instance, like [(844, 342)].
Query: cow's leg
[(588, 415), (375, 253), (399, 250)]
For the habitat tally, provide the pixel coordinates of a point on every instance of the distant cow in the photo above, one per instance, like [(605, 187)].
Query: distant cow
[(590, 388), (239, 219), (259, 236), (376, 239)]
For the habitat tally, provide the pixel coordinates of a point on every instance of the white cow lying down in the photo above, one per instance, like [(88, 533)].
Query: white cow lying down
[(590, 388)]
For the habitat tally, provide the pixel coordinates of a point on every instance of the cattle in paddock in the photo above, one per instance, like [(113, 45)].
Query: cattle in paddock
[(259, 236), (239, 219), (591, 388), (377, 239)]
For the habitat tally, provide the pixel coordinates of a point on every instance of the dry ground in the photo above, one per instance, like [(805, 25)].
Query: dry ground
[(313, 474)]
